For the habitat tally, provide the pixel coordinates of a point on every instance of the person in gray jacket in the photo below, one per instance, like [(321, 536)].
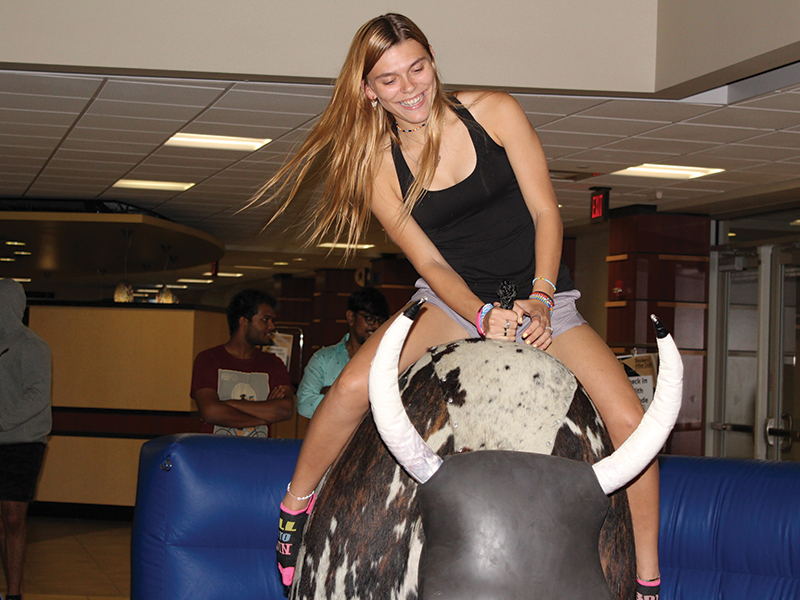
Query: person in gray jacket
[(25, 421)]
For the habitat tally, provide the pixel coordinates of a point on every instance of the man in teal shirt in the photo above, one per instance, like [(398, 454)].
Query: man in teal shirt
[(367, 309)]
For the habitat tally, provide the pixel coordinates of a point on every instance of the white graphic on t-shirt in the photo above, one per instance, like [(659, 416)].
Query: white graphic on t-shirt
[(236, 385)]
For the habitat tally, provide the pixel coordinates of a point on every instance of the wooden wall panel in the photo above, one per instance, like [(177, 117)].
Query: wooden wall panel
[(90, 470)]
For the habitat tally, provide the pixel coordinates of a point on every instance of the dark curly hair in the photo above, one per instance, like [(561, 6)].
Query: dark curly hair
[(369, 300), (245, 304)]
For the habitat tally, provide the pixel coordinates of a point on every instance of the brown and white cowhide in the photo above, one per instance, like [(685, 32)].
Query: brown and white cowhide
[(364, 538)]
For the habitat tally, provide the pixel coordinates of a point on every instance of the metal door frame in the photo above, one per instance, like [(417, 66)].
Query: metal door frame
[(769, 356)]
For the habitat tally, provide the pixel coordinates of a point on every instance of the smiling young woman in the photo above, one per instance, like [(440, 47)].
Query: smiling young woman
[(460, 183)]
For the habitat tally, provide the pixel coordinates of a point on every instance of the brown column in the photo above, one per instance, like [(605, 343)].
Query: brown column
[(658, 264)]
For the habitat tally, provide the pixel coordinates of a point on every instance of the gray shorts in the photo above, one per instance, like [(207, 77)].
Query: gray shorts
[(565, 314)]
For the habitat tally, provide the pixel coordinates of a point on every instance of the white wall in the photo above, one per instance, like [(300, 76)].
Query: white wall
[(570, 44), (731, 38)]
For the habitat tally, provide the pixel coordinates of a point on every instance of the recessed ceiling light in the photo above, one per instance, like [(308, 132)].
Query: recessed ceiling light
[(142, 184), (667, 171), (251, 267), (299, 259), (223, 274), (339, 246), (187, 280), (13, 243), (219, 142)]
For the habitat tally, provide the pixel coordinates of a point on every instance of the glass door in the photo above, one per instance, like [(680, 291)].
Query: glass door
[(733, 366), (782, 435), (754, 328)]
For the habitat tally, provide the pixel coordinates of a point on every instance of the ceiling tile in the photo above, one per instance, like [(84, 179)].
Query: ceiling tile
[(555, 105), (142, 110), (779, 101), (117, 123), (34, 117), (42, 103), (265, 131), (252, 118), (736, 116), (779, 139), (647, 110), (595, 125), (236, 99), (648, 145), (131, 91), (574, 140), (42, 84), (23, 141), (701, 133)]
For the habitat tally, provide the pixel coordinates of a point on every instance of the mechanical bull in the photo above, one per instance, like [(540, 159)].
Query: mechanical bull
[(518, 522)]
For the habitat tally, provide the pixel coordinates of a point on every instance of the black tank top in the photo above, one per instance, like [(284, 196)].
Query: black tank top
[(481, 225)]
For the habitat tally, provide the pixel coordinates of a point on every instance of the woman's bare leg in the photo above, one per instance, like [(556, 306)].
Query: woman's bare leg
[(604, 379), (345, 404)]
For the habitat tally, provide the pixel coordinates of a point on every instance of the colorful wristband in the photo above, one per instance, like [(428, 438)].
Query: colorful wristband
[(553, 285), (480, 316), (544, 298)]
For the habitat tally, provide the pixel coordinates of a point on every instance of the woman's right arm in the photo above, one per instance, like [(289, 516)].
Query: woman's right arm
[(387, 206)]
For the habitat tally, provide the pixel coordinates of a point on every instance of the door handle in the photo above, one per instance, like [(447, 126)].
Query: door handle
[(785, 432), (740, 427)]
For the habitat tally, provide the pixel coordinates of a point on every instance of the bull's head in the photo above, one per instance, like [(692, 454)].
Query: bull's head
[(504, 524)]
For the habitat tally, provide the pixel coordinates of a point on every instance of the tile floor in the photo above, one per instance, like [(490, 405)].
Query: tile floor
[(76, 559)]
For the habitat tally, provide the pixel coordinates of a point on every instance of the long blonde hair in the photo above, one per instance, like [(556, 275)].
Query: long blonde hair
[(343, 149)]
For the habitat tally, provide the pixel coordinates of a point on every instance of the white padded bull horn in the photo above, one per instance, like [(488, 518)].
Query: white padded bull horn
[(617, 470), (394, 426)]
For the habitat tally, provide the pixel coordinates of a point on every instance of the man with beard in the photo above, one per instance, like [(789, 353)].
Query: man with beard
[(238, 388)]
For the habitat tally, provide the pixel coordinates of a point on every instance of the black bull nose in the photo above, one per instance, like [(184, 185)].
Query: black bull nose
[(507, 525)]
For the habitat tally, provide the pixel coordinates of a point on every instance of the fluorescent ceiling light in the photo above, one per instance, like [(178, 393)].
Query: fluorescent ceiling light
[(142, 184), (222, 274), (7, 259), (22, 253), (219, 142), (281, 264), (22, 279), (251, 267), (795, 223), (185, 280), (339, 246), (13, 243), (147, 291), (667, 171)]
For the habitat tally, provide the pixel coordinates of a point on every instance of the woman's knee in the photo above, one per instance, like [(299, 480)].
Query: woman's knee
[(351, 388)]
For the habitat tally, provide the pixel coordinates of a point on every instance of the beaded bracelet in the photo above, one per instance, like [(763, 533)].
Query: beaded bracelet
[(480, 316), (544, 298), (546, 280), (289, 489)]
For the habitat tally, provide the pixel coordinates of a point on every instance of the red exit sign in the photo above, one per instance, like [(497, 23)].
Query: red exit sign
[(599, 203)]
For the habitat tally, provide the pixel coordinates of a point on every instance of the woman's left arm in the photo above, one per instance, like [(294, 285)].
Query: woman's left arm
[(504, 119)]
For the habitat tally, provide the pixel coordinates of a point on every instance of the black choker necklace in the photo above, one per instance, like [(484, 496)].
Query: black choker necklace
[(410, 130)]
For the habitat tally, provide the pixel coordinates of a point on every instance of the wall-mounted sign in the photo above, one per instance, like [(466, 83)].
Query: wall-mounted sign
[(599, 203)]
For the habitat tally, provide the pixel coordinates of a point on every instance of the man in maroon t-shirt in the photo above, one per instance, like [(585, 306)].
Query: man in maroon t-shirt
[(240, 390)]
